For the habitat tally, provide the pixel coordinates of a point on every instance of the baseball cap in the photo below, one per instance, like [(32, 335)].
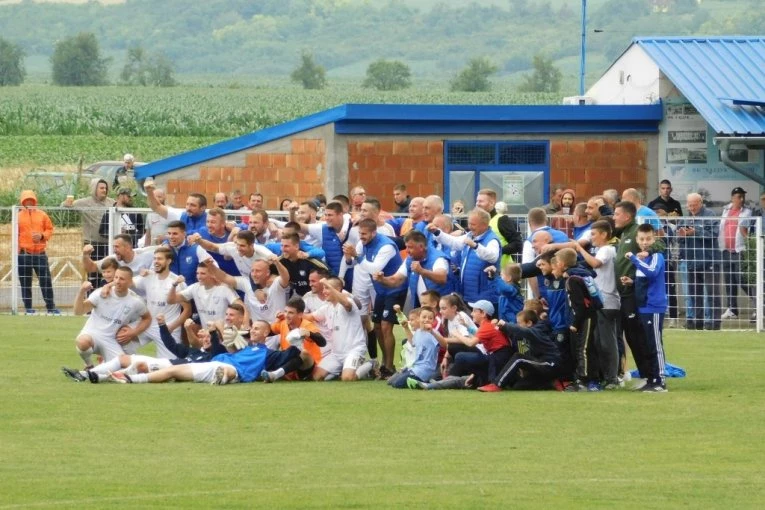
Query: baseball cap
[(128, 157), (738, 191), (484, 305), (125, 191)]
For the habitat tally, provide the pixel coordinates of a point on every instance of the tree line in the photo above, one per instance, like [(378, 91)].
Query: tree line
[(77, 61)]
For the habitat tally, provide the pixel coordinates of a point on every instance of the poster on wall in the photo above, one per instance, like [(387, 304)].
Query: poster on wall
[(692, 162), (513, 189)]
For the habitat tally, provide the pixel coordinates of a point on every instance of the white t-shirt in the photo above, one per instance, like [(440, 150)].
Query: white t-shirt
[(312, 302), (156, 291), (347, 331), (111, 313), (244, 264), (276, 299), (316, 231), (605, 277), (143, 258), (459, 325), (157, 224), (211, 303), (441, 264)]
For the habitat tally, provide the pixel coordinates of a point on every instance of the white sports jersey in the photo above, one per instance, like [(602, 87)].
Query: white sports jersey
[(312, 301), (244, 264), (111, 313), (348, 334), (211, 303), (156, 291), (143, 259), (276, 299), (157, 224)]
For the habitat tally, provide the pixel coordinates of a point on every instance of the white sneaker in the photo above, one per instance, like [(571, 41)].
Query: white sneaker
[(728, 314), (220, 377)]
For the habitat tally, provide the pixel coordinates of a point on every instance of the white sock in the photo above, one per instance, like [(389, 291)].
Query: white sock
[(103, 377), (107, 366), (363, 371), (86, 356), (140, 378), (278, 373)]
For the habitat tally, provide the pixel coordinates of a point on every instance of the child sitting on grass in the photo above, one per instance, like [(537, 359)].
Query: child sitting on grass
[(424, 367)]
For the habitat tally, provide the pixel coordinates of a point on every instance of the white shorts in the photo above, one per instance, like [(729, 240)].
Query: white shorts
[(153, 364), (205, 372), (335, 364), (152, 335), (363, 291)]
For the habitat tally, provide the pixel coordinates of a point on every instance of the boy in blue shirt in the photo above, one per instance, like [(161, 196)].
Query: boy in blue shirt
[(651, 298), (509, 291), (425, 363)]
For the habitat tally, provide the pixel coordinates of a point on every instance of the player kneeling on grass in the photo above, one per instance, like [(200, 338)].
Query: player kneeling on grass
[(425, 364), (536, 364), (348, 340), (293, 329), (107, 331), (243, 363), (138, 364)]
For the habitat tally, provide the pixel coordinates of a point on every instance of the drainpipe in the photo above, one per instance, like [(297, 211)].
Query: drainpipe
[(756, 142)]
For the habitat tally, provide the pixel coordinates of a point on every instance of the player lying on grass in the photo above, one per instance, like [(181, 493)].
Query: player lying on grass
[(244, 364), (136, 363)]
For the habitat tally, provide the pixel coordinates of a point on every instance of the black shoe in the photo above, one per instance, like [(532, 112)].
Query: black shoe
[(385, 373), (576, 386), (74, 375), (92, 376), (654, 388)]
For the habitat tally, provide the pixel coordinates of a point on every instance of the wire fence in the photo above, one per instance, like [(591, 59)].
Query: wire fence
[(709, 287)]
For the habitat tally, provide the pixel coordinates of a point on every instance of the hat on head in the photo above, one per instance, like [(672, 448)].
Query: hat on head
[(128, 157), (483, 305), (738, 191), (125, 191)]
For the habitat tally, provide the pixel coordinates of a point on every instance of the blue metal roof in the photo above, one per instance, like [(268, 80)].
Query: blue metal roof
[(723, 77), (434, 119)]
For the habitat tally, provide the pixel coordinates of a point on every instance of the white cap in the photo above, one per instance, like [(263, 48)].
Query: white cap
[(128, 157)]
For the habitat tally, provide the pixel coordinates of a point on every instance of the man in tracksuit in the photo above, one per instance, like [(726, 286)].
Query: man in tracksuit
[(651, 297), (626, 228)]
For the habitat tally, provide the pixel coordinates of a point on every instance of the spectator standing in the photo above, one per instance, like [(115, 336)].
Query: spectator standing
[(131, 224), (156, 225), (503, 226), (555, 196), (401, 199), (35, 229), (92, 211), (697, 235), (732, 242), (671, 205)]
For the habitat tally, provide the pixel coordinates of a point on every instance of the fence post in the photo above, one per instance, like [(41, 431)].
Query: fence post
[(112, 230), (14, 259), (759, 279)]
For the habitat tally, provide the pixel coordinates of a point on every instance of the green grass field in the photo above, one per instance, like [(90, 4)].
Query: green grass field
[(306, 445)]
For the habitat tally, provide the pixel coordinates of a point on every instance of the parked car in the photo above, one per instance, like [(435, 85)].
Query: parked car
[(113, 172), (46, 183)]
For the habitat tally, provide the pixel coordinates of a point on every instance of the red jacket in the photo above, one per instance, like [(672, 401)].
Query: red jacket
[(32, 220)]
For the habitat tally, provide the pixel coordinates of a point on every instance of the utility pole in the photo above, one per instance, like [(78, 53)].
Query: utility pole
[(584, 48)]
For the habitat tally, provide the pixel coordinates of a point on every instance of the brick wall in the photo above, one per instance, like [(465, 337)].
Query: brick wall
[(380, 165), (589, 166), (275, 175)]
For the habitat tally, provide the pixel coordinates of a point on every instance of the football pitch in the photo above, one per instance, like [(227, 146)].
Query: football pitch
[(358, 445)]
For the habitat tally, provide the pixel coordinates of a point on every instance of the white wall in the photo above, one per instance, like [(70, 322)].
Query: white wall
[(632, 79)]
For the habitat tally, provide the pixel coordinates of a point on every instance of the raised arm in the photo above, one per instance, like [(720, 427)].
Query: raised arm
[(155, 205), (87, 262), (81, 304)]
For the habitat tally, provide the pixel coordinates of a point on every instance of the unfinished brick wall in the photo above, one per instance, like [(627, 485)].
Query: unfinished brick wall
[(275, 175), (380, 165), (589, 166)]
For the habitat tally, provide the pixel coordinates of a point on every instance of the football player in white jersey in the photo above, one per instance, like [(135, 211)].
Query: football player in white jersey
[(244, 251), (348, 338), (122, 246), (107, 331), (210, 297), (155, 286)]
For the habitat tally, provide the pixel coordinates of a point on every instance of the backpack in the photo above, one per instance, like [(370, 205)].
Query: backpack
[(595, 298)]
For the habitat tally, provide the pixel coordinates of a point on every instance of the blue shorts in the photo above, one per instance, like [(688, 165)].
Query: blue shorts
[(383, 307)]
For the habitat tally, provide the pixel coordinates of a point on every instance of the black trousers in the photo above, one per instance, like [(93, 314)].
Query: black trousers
[(37, 263), (522, 367), (634, 333)]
